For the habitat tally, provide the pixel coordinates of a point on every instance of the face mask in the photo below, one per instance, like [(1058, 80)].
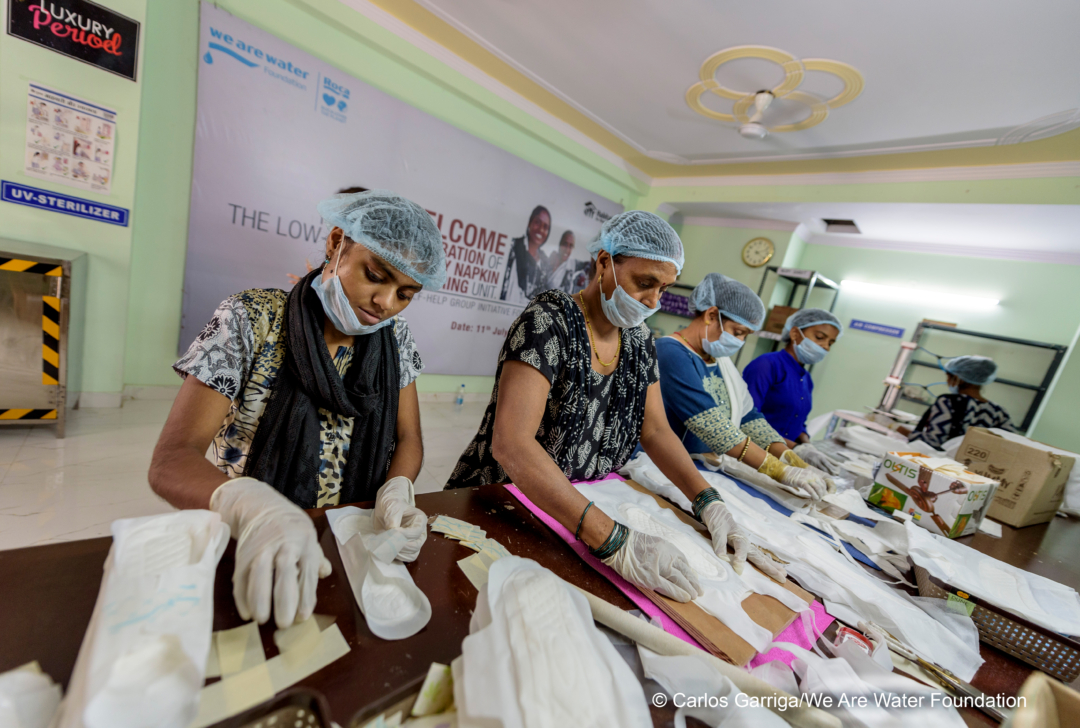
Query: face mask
[(727, 345), (622, 309), (954, 389), (336, 305), (809, 352)]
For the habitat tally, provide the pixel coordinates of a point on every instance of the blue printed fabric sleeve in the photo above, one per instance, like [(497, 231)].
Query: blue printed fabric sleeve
[(757, 428), (695, 396), (222, 354)]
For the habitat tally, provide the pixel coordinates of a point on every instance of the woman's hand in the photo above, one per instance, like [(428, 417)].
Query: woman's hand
[(653, 563), (724, 531)]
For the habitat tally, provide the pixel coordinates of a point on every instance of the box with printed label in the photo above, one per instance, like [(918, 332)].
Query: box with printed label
[(938, 493), (1032, 477), (778, 316)]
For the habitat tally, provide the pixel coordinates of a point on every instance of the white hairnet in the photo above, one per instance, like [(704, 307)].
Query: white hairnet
[(640, 235), (977, 370), (737, 301), (397, 230), (807, 317)]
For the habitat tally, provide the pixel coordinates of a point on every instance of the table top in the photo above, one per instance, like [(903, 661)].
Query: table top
[(49, 594)]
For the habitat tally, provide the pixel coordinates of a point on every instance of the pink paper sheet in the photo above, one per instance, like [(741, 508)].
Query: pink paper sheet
[(795, 633)]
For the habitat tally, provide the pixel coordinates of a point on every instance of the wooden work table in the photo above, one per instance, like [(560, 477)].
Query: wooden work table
[(49, 594)]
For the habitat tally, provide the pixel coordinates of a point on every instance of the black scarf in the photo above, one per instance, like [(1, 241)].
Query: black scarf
[(286, 450)]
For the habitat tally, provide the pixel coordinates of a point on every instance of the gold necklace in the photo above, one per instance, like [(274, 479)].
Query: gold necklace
[(705, 356), (592, 341)]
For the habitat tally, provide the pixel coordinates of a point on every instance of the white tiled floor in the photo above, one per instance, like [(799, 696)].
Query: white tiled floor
[(62, 490)]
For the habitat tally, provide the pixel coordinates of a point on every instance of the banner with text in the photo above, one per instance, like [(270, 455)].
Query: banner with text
[(278, 131)]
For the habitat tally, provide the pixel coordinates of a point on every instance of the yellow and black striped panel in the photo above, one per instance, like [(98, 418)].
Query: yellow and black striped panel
[(30, 266), (50, 340), (27, 414)]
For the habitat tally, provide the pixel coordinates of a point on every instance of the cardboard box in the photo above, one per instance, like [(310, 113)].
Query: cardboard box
[(776, 319), (938, 493), (1032, 477)]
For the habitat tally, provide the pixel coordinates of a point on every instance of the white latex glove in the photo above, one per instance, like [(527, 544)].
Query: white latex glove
[(812, 483), (817, 459), (724, 530), (655, 564), (277, 552), (395, 507)]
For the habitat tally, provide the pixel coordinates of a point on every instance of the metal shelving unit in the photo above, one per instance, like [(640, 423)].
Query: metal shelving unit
[(894, 391), (811, 279)]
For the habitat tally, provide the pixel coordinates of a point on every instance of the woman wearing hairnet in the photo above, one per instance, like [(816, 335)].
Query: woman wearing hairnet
[(576, 390), (952, 414), (781, 385), (308, 400), (707, 402)]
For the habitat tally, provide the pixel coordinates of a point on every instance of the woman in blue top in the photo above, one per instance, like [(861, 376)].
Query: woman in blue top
[(781, 386), (705, 399)]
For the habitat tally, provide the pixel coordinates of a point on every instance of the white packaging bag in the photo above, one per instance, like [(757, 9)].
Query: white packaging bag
[(143, 659), (392, 604)]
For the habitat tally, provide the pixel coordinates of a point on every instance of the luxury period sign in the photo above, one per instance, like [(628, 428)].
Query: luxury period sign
[(279, 130)]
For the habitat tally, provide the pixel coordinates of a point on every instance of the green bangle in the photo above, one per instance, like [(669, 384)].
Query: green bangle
[(577, 533), (615, 541), (704, 498)]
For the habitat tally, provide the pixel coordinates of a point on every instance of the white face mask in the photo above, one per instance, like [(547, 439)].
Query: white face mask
[(337, 307), (622, 309)]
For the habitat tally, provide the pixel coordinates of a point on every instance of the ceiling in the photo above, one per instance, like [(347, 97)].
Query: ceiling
[(1022, 232), (938, 75)]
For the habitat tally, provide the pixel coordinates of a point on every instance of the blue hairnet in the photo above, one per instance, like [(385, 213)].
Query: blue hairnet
[(977, 370), (807, 317), (737, 301), (397, 230), (640, 235)]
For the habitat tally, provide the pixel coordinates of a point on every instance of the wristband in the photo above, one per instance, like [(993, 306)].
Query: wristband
[(577, 533)]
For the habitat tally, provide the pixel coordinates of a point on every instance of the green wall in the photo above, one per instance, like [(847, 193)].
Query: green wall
[(1038, 301), (108, 246)]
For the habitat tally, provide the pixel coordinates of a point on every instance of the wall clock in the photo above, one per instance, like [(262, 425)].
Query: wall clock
[(758, 252)]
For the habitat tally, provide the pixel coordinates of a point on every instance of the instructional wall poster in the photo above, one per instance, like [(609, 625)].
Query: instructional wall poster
[(278, 131), (69, 141)]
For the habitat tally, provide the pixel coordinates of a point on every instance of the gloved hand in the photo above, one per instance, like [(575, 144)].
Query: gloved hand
[(724, 530), (395, 507), (790, 457), (810, 481), (655, 564), (817, 459), (276, 551)]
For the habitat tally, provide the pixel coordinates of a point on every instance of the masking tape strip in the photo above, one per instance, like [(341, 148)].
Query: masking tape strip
[(437, 692), (242, 690), (234, 694), (213, 666), (298, 642), (475, 570), (239, 649)]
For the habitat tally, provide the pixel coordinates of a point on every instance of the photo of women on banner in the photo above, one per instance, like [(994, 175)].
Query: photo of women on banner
[(526, 266)]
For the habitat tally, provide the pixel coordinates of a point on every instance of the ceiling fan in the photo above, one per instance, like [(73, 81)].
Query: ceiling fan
[(754, 129)]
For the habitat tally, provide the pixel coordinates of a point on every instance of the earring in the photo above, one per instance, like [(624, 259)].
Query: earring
[(327, 260)]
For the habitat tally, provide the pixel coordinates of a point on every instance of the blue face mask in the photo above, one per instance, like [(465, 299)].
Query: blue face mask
[(808, 352), (954, 388), (727, 345), (336, 305), (622, 309)]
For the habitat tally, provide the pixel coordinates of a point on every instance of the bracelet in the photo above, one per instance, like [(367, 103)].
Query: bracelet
[(615, 541), (745, 448), (704, 498), (577, 533)]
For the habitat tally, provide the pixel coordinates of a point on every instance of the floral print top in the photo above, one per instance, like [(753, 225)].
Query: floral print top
[(239, 353)]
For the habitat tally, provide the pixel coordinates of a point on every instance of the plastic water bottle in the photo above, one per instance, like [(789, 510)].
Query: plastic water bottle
[(460, 401)]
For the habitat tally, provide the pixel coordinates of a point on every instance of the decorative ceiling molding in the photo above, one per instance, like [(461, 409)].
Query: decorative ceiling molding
[(931, 174), (1043, 128), (741, 222), (546, 105), (964, 251)]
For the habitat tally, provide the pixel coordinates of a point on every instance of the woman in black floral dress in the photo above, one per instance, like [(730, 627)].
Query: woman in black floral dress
[(576, 390)]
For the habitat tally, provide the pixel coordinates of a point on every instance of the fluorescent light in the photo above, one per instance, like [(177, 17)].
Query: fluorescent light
[(917, 295)]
